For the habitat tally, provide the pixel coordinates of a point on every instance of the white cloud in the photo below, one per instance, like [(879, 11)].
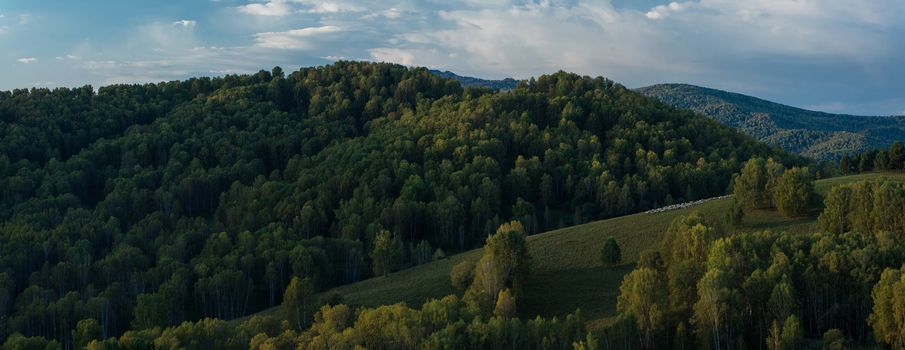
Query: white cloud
[(185, 23), (27, 60), (662, 11), (4, 30), (393, 55), (391, 13), (330, 6), (269, 8), (25, 19), (296, 39)]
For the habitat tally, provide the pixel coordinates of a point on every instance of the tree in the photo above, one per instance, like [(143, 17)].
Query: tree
[(736, 213), (422, 253), (750, 187), (504, 264), (713, 310), (85, 331), (462, 274), (19, 342), (151, 310), (833, 339), (387, 253), (298, 302), (790, 337), (836, 208), (897, 156), (888, 316), (505, 305), (611, 254), (794, 192), (643, 296)]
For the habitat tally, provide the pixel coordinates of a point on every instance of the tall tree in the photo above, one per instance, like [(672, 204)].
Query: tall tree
[(388, 253), (642, 295), (299, 303), (794, 192), (888, 316)]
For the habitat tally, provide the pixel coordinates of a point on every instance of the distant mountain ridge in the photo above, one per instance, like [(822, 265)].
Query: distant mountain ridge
[(503, 84), (814, 134)]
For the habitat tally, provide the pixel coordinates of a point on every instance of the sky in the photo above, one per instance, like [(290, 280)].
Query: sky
[(839, 56)]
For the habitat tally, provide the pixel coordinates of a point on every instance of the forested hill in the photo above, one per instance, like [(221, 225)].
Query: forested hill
[(146, 205), (503, 84), (809, 133)]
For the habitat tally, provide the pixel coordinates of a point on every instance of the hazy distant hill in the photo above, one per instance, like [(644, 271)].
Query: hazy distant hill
[(813, 134), (505, 84)]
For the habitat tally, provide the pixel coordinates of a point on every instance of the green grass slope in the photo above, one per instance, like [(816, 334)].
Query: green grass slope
[(814, 134), (566, 273)]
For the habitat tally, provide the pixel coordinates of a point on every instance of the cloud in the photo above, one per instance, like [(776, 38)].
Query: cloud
[(185, 23), (27, 60), (25, 19), (330, 6), (661, 11), (296, 39), (4, 30), (269, 8)]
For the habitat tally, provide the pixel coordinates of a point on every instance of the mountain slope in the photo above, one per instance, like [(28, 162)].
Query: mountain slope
[(566, 272), (503, 84), (814, 134), (161, 203)]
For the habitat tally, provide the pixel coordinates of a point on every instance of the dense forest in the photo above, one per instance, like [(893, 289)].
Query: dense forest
[(892, 158), (819, 135), (836, 288), (143, 206)]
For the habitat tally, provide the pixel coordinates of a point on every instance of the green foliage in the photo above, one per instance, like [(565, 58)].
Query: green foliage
[(774, 289), (755, 185), (751, 187), (86, 331), (736, 213), (299, 303), (504, 265), (865, 207), (611, 254), (17, 341), (505, 305), (643, 297), (208, 195), (151, 310), (439, 254), (833, 339), (794, 192), (462, 274), (887, 318), (422, 253), (388, 253), (790, 337)]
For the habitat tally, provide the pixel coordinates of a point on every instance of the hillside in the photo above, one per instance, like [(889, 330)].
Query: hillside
[(143, 206), (813, 134), (566, 273), (502, 85)]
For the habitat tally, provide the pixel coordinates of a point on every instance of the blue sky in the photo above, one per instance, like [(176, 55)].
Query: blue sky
[(844, 56)]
